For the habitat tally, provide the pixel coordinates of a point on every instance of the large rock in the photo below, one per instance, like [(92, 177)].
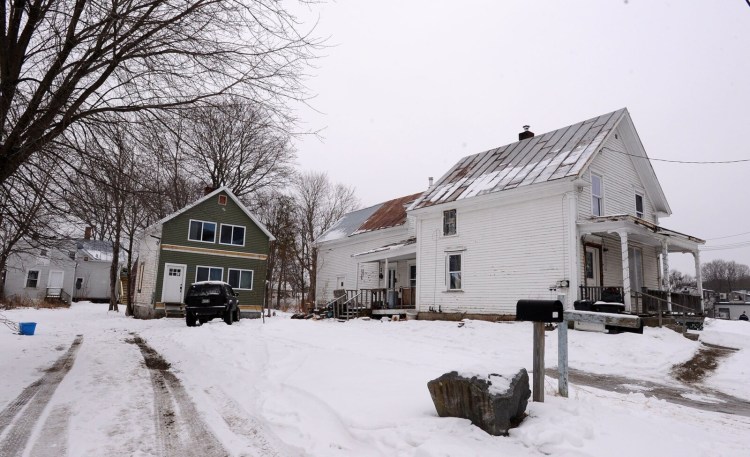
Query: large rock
[(495, 404)]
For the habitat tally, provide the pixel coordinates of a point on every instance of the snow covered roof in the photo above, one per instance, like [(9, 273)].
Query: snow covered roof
[(377, 217), (553, 155), (389, 247), (95, 249)]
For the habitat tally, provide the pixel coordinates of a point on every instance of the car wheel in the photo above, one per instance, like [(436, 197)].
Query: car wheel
[(202, 320), (237, 314), (190, 319), (228, 316)]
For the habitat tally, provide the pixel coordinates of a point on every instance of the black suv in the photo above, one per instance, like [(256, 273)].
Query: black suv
[(209, 299)]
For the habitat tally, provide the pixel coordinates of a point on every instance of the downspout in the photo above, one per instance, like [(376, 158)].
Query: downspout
[(573, 251)]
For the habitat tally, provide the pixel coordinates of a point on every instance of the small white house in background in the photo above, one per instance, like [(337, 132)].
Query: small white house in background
[(73, 270), (573, 213)]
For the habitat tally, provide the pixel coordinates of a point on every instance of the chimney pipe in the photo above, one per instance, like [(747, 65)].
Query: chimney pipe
[(87, 233), (430, 181), (526, 134)]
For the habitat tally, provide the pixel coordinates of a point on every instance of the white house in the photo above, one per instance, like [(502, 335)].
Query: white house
[(72, 270), (573, 213)]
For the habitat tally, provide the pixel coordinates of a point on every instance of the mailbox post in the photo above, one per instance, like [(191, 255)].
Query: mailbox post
[(539, 312)]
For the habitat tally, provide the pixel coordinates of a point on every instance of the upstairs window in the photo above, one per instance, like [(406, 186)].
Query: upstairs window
[(449, 222), (454, 272), (202, 231), (232, 234), (32, 279), (639, 206), (597, 195)]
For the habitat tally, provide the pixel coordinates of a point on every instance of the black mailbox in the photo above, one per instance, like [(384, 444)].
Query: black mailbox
[(539, 310)]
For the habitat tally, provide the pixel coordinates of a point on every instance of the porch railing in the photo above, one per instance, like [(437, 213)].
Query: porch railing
[(598, 293), (647, 301)]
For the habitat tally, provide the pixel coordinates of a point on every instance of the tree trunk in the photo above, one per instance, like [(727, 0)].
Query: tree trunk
[(129, 291)]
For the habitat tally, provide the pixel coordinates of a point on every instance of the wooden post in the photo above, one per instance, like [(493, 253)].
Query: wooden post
[(538, 383), (562, 358)]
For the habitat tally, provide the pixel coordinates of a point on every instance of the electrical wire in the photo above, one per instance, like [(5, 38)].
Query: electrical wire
[(728, 236), (688, 162)]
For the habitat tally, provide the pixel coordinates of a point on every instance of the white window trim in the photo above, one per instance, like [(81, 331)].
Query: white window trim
[(252, 279), (38, 277), (232, 225), (455, 223), (448, 271), (209, 272), (600, 197), (643, 203), (202, 222)]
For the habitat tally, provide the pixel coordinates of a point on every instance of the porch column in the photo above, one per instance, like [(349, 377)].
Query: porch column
[(699, 277), (665, 274), (385, 275), (625, 269)]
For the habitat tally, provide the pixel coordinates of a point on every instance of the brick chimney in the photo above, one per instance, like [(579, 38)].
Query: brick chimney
[(208, 189), (87, 232), (526, 134)]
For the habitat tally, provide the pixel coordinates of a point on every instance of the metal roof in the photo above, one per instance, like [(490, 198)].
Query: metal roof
[(553, 155), (381, 216)]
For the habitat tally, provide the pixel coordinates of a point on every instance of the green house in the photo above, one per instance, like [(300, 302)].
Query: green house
[(216, 238)]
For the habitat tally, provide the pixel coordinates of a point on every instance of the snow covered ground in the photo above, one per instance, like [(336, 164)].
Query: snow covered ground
[(306, 388)]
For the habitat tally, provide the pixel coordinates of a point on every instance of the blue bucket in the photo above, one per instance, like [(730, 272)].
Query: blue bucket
[(26, 328)]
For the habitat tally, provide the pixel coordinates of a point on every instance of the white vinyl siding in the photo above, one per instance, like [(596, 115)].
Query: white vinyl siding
[(525, 253), (335, 260), (620, 181)]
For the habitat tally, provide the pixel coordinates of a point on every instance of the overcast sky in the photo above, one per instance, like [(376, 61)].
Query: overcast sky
[(406, 88)]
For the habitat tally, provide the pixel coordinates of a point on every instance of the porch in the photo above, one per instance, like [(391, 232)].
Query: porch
[(626, 260), (352, 303)]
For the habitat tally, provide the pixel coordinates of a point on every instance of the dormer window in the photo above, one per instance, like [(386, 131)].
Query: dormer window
[(639, 206), (597, 195), (202, 231), (449, 222)]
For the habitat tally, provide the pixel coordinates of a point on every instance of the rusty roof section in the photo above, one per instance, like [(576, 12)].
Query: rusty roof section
[(553, 155), (390, 214)]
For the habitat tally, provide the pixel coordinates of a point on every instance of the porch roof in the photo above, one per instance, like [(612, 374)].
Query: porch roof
[(405, 249), (642, 231)]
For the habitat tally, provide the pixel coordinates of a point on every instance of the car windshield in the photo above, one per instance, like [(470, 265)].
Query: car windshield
[(204, 290)]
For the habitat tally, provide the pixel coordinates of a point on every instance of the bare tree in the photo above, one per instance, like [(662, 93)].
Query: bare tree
[(276, 211), (679, 279), (239, 145), (28, 212), (67, 62), (725, 276), (319, 204), (108, 189)]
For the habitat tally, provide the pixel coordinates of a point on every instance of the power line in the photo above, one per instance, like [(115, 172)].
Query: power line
[(689, 162), (728, 236)]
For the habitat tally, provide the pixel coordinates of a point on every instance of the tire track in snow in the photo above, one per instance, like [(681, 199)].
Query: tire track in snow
[(179, 427), (53, 440), (24, 411)]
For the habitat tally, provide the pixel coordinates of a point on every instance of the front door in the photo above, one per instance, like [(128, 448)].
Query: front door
[(55, 283), (174, 283), (593, 267)]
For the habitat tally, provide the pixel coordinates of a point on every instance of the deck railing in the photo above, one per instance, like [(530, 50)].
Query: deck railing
[(647, 301)]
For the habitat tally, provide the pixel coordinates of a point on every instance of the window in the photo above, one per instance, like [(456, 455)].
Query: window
[(202, 231), (449, 222), (32, 278), (232, 234), (639, 205), (223, 200), (596, 195), (454, 272), (241, 279), (207, 274)]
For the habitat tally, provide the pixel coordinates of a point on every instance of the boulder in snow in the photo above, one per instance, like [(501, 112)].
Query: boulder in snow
[(495, 404)]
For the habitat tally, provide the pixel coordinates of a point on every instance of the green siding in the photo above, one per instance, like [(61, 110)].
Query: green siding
[(175, 232)]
